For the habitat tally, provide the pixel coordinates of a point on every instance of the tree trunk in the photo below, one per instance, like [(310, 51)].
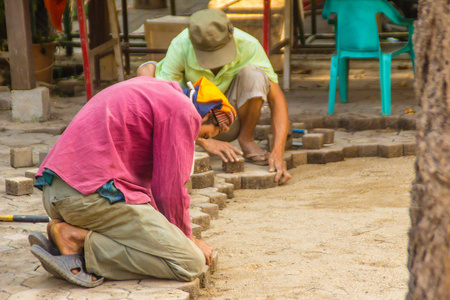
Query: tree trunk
[(429, 236)]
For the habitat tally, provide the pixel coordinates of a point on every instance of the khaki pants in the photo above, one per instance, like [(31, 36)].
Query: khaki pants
[(251, 82), (125, 241)]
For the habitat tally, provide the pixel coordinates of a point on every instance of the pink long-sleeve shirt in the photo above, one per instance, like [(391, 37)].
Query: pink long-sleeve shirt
[(141, 134)]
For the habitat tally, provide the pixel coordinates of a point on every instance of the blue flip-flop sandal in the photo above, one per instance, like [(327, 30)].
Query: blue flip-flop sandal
[(37, 238), (63, 264)]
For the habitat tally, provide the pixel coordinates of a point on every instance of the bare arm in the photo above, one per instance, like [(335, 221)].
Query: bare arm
[(280, 127)]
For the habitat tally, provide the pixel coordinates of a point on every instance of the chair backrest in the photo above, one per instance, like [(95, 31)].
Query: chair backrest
[(356, 25)]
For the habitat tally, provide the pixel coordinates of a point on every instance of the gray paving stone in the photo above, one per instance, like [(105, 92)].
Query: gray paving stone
[(331, 122), (312, 141), (157, 294), (41, 294), (196, 231), (261, 132), (351, 151), (198, 198), (192, 287), (226, 188), (31, 173), (215, 262), (205, 277), (392, 122), (5, 101), (18, 186), (328, 134), (368, 150), (287, 146), (211, 209), (200, 218), (202, 180), (234, 179), (258, 180), (201, 162), (409, 148), (21, 157), (326, 155), (234, 167), (42, 156), (214, 197), (188, 186), (53, 129), (313, 122), (299, 157), (390, 150), (289, 160)]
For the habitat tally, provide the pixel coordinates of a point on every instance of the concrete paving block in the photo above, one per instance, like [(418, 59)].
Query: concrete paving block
[(202, 180), (42, 156), (261, 132), (377, 123), (19, 186), (409, 149), (287, 146), (390, 150), (4, 89), (31, 173), (215, 262), (327, 155), (21, 157), (205, 277), (5, 100), (331, 122), (200, 218), (407, 123), (226, 188), (196, 231), (328, 134), (188, 186), (30, 105), (351, 151), (53, 129), (392, 122), (201, 162), (154, 294), (234, 179), (234, 167), (359, 124), (211, 209), (258, 180), (198, 198), (191, 287), (299, 157), (312, 141), (288, 160), (215, 197), (314, 122), (367, 150)]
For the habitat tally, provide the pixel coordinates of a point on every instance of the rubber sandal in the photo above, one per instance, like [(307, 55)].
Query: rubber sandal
[(37, 238), (63, 264), (251, 159)]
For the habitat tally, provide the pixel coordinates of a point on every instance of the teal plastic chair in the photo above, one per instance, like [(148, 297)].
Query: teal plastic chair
[(357, 36)]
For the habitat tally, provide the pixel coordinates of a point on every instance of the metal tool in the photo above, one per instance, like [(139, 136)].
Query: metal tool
[(24, 218)]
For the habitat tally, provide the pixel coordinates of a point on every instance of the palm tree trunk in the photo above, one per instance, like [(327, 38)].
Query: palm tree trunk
[(429, 236)]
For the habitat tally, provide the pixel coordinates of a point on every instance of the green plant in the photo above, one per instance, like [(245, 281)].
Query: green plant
[(41, 31)]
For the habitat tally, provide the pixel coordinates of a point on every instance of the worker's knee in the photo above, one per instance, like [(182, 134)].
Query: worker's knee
[(147, 69), (251, 76)]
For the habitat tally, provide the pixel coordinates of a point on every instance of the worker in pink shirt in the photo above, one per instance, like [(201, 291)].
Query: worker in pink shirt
[(113, 184)]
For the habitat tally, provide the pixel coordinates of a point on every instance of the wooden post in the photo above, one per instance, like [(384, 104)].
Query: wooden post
[(20, 45)]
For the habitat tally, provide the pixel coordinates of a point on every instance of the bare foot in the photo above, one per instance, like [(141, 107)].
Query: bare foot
[(251, 149), (49, 228), (69, 239)]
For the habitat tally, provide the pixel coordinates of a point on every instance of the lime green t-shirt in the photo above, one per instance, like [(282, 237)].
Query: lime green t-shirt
[(180, 63)]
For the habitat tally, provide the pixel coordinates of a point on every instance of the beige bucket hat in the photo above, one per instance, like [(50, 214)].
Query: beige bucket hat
[(211, 35)]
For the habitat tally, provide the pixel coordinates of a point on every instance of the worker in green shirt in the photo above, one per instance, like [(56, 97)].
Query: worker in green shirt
[(235, 62)]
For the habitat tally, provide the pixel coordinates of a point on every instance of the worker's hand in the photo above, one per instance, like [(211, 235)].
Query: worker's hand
[(205, 248), (226, 151), (276, 164)]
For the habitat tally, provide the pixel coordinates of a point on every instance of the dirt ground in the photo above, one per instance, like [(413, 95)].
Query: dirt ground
[(335, 231)]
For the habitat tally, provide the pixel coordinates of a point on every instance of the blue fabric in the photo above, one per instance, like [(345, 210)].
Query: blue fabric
[(108, 190), (202, 108)]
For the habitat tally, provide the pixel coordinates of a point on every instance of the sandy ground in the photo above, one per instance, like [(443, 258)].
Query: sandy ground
[(335, 231)]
